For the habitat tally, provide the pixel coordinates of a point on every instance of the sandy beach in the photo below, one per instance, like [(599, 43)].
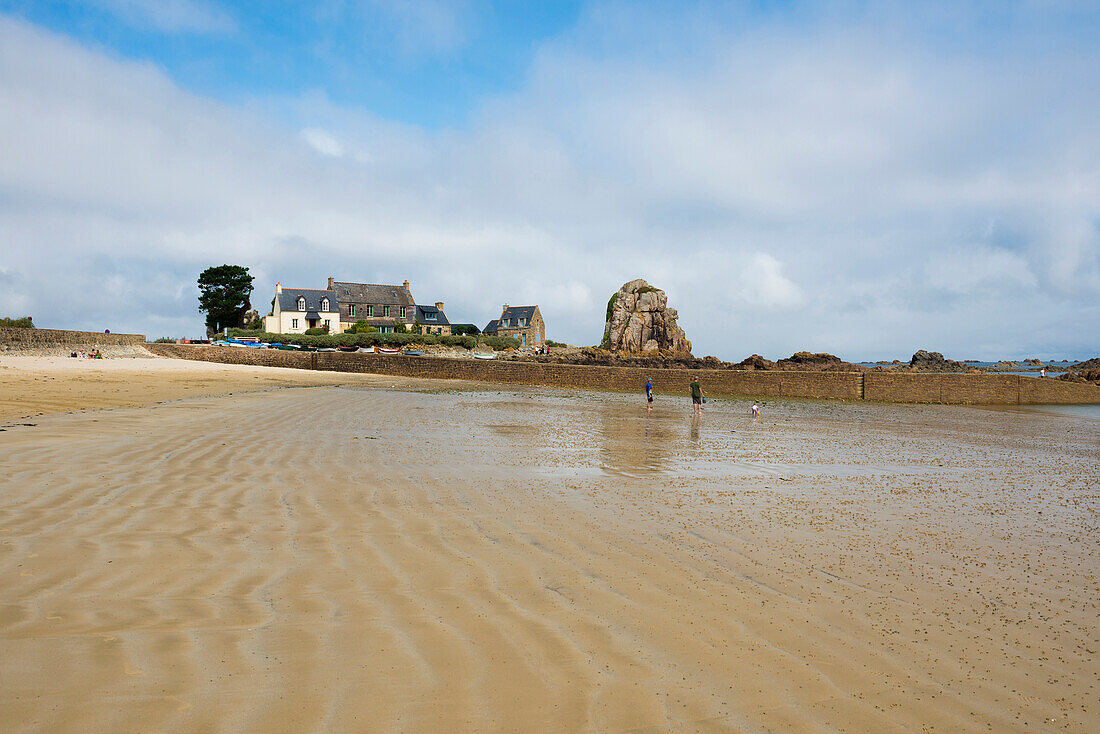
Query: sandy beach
[(201, 548)]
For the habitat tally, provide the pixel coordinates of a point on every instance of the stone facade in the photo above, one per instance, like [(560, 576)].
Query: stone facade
[(378, 304), (883, 387), (523, 322)]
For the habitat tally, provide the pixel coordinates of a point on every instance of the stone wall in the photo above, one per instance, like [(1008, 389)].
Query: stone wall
[(884, 387), (61, 340), (965, 389)]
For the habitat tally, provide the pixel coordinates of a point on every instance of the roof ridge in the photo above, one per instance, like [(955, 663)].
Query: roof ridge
[(319, 290)]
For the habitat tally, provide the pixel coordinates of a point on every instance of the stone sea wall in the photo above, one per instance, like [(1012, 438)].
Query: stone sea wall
[(883, 387), (59, 340)]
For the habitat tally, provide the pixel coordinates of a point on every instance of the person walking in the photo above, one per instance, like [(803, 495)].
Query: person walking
[(755, 409), (649, 394), (697, 396)]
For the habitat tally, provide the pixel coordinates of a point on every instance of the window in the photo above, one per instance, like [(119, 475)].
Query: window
[(524, 340), (294, 323), (301, 303), (506, 323), (370, 311), (385, 310), (326, 323), (324, 305), (522, 323), (536, 338), (429, 315), (404, 311), (351, 310)]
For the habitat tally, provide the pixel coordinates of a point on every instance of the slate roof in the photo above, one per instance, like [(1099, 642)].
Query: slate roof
[(430, 315), (373, 294), (288, 299), (491, 327), (514, 313)]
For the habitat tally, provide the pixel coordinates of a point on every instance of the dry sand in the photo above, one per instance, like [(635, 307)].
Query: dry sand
[(424, 559), (37, 385)]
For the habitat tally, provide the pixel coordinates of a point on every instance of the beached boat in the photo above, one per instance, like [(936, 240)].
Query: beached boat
[(387, 350), (304, 348), (366, 350), (484, 356), (413, 352), (348, 349), (286, 347), (326, 349)]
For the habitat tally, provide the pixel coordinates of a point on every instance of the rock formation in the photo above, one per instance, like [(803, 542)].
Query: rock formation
[(639, 320), (924, 361)]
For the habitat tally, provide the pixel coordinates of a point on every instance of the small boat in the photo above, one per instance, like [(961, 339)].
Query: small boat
[(326, 349), (413, 352), (366, 350), (387, 350), (287, 347), (304, 348), (348, 349), (478, 355)]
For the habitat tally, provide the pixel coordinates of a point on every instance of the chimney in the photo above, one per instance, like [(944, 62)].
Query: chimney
[(331, 282), (278, 287), (439, 305), (504, 309)]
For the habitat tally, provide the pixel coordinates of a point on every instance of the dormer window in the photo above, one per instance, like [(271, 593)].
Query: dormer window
[(523, 322), (324, 304), (429, 315), (301, 303)]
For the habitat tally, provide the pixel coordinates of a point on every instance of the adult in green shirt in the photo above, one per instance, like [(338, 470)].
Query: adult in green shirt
[(697, 396)]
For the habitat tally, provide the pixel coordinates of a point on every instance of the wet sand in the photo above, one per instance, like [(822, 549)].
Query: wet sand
[(427, 559)]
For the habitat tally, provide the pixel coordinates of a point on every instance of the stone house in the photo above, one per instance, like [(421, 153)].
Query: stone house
[(293, 310), (433, 320), (523, 322), (379, 305)]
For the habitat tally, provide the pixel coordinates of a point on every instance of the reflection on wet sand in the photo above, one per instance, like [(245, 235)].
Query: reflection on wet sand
[(633, 442)]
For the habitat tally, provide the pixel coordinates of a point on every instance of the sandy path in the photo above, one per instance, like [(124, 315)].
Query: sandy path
[(332, 559)]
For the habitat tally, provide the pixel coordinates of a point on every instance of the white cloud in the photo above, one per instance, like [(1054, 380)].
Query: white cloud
[(173, 16), (762, 283), (857, 194), (322, 141)]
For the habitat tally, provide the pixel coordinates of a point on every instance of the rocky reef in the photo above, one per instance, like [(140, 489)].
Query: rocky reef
[(639, 321), (924, 361)]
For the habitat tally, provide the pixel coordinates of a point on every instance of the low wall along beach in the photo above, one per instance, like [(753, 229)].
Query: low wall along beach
[(878, 386), (32, 339)]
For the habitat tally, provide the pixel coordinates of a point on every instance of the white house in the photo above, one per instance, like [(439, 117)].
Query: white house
[(293, 310)]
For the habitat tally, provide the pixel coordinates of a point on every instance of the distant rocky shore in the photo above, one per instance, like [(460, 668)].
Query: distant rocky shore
[(921, 361)]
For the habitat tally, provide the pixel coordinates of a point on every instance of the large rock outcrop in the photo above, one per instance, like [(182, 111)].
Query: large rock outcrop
[(640, 321)]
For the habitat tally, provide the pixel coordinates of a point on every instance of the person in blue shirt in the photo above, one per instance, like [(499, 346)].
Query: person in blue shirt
[(649, 394)]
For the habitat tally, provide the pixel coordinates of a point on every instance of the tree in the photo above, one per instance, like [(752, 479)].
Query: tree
[(399, 327), (223, 295), (463, 329)]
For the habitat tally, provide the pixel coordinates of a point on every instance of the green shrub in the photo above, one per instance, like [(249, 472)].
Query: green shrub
[(23, 323), (611, 305), (316, 331), (499, 342), (165, 340), (552, 343), (361, 327)]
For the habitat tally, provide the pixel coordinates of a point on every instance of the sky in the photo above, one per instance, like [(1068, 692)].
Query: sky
[(860, 178)]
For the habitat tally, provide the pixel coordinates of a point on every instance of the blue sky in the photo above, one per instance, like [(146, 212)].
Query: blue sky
[(860, 178), (426, 63)]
